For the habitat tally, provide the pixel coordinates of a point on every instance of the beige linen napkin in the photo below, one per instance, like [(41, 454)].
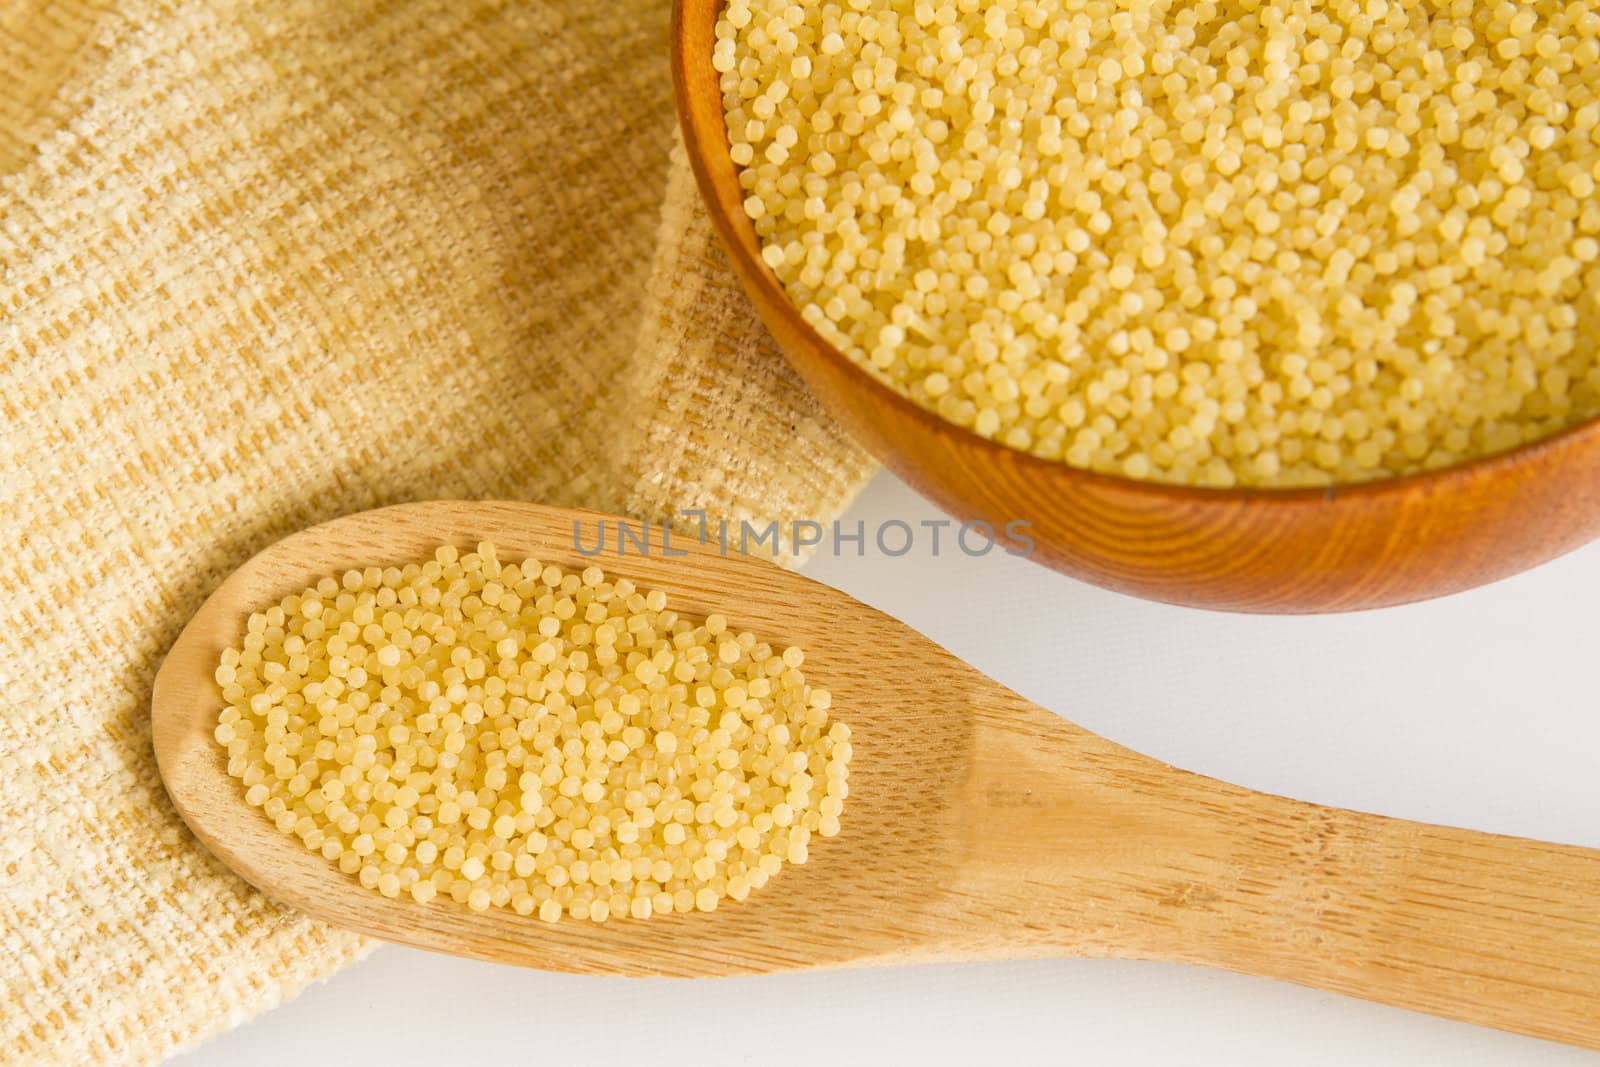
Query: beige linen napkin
[(264, 263)]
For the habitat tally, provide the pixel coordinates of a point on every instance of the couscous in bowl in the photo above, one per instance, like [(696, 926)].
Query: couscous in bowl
[(1340, 547)]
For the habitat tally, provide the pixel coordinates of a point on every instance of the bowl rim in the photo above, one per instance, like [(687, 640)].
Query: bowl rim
[(740, 241)]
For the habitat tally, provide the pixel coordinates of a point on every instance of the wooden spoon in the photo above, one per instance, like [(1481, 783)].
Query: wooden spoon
[(979, 826), (1270, 550)]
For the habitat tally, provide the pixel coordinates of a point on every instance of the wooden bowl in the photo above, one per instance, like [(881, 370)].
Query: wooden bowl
[(1336, 549)]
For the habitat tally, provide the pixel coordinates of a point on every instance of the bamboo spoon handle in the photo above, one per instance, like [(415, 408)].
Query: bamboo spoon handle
[(1493, 930), (1129, 857)]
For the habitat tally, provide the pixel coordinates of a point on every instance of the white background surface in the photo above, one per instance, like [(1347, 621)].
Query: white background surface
[(1481, 710)]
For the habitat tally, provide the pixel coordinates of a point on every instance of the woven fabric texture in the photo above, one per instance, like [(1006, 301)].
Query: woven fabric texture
[(264, 263)]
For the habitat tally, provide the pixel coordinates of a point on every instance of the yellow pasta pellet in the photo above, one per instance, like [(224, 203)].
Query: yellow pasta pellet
[(503, 764), (1273, 244)]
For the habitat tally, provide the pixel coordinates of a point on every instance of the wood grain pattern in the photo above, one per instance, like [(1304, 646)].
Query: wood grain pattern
[(979, 826), (1348, 548)]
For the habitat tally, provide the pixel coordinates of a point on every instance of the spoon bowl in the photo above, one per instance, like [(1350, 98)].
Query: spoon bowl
[(979, 825), (1339, 549)]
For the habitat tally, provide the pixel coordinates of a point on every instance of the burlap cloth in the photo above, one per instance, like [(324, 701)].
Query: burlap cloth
[(264, 263)]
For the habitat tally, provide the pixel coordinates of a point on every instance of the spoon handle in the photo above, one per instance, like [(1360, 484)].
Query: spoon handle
[(1133, 858), (1494, 930)]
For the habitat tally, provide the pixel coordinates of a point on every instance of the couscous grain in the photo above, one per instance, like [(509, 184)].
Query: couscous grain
[(1275, 243), (519, 736)]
